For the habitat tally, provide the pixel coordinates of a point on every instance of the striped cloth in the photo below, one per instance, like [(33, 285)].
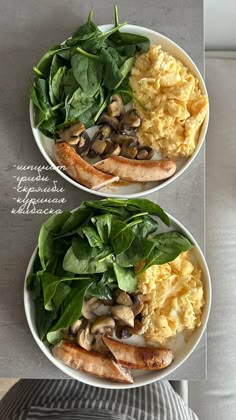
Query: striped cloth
[(32, 399)]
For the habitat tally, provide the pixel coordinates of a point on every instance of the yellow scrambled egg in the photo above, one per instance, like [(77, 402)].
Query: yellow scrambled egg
[(175, 105), (173, 298)]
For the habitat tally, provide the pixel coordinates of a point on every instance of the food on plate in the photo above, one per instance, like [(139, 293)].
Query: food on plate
[(91, 362), (137, 171), (175, 105), (79, 169), (75, 80), (143, 358), (92, 278), (173, 298)]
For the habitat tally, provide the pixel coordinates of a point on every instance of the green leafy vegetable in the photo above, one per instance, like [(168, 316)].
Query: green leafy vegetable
[(74, 81)]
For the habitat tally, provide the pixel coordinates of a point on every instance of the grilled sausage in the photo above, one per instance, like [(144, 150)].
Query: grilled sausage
[(79, 169), (91, 362), (144, 358), (136, 170)]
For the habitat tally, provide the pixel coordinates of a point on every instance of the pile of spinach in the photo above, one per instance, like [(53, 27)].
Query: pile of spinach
[(74, 81), (93, 250)]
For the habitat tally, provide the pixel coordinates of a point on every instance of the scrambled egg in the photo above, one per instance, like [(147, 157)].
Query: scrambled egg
[(176, 107), (173, 298)]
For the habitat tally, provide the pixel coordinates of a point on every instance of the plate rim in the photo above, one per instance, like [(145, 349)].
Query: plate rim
[(165, 372), (165, 183)]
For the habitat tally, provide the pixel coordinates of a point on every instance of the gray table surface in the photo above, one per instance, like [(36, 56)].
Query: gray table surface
[(28, 28)]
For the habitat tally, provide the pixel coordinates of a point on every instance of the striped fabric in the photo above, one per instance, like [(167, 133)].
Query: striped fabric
[(68, 400)]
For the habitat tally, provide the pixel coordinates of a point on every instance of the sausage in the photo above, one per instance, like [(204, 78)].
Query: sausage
[(79, 169), (144, 358), (136, 170), (91, 362)]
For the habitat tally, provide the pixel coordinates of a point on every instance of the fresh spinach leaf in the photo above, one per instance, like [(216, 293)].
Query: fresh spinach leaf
[(44, 319), (81, 258), (60, 294), (125, 69), (49, 286), (75, 219), (71, 310), (139, 250), (147, 227), (103, 224), (168, 246), (92, 236), (87, 72), (112, 75), (126, 278), (45, 240), (70, 83), (45, 62)]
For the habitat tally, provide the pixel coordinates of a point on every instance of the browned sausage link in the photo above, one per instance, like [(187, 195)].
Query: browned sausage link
[(137, 170), (79, 169), (145, 358), (91, 362)]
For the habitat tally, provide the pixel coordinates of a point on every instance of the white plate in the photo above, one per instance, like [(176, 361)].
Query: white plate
[(181, 348), (124, 190)]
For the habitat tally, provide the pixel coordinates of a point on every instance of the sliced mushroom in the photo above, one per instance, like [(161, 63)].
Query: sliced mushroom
[(137, 329), (118, 138), (129, 149), (102, 310), (113, 122), (122, 332), (88, 308), (84, 144), (84, 338), (73, 131), (99, 346), (98, 146), (111, 150), (145, 152), (116, 107), (124, 298), (130, 122), (103, 324), (138, 305), (105, 131), (123, 313), (76, 326)]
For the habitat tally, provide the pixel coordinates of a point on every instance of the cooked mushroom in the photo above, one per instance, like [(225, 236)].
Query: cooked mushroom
[(67, 134), (137, 329), (116, 107), (102, 310), (76, 326), (130, 122), (105, 131), (113, 122), (88, 308), (145, 152), (84, 338), (124, 298), (98, 146), (118, 138), (122, 332), (137, 307), (84, 144), (129, 149), (111, 150), (99, 346), (103, 324), (123, 313)]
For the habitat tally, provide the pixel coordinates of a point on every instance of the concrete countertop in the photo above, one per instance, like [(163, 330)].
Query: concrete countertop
[(29, 28)]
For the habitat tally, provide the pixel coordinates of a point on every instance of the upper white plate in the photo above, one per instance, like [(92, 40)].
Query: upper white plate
[(181, 348), (123, 189)]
